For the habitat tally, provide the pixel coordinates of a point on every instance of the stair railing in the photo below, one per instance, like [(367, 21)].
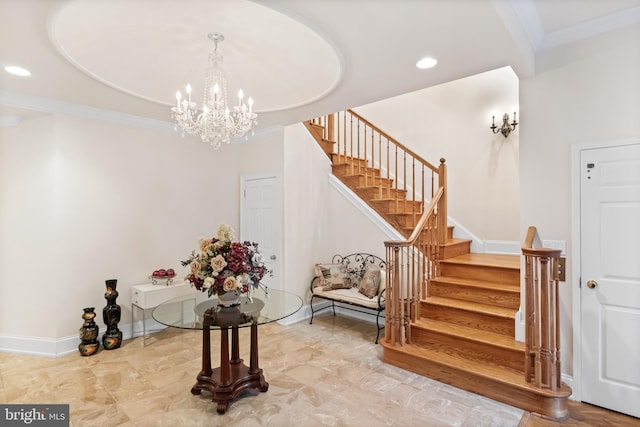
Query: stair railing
[(542, 331), (384, 162), (410, 266)]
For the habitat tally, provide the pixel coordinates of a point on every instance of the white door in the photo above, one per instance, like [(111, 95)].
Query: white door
[(260, 220), (610, 277)]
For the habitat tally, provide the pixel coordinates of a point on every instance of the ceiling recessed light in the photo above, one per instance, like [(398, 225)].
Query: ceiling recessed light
[(427, 62), (18, 71)]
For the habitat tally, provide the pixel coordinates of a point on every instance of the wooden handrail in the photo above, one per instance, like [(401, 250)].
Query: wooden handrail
[(395, 141), (542, 331), (421, 223), (532, 240)]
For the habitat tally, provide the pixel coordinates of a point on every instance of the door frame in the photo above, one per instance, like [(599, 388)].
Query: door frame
[(576, 301), (262, 175)]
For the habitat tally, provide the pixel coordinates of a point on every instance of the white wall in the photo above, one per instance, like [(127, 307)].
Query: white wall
[(306, 212), (452, 121), (319, 221), (84, 201), (594, 98), (28, 238)]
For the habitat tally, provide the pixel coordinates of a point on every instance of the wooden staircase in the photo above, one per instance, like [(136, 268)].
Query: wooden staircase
[(463, 331), (465, 335)]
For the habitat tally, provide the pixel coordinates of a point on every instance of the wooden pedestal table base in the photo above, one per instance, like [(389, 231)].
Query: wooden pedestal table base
[(233, 377)]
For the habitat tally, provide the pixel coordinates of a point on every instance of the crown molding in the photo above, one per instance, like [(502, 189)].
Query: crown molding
[(54, 106), (527, 14), (592, 28)]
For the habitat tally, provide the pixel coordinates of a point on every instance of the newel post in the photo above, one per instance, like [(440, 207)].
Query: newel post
[(393, 320), (542, 334)]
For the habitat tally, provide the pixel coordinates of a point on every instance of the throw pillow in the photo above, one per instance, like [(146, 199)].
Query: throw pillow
[(370, 283), (333, 276)]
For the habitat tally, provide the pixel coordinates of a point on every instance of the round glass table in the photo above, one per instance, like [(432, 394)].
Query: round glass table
[(200, 312)]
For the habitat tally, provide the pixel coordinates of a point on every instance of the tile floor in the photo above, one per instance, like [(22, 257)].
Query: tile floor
[(325, 374)]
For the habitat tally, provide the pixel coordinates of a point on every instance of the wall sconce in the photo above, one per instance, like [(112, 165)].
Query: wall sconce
[(506, 127)]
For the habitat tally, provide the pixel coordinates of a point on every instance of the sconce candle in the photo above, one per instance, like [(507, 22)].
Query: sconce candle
[(506, 127)]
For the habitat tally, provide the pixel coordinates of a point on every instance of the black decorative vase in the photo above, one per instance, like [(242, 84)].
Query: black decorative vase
[(89, 333), (112, 338)]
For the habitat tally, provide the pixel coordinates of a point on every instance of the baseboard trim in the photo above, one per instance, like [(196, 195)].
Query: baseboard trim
[(31, 345), (48, 347), (568, 380), (502, 247)]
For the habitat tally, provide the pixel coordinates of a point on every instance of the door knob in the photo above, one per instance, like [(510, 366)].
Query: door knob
[(592, 284), (272, 257)]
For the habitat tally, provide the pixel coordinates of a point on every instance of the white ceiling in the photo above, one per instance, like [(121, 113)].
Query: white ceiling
[(297, 59)]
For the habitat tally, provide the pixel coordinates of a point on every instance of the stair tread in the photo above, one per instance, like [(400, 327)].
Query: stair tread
[(368, 187), (469, 333), (501, 374), (355, 175), (476, 283), (472, 306), (392, 199), (455, 241), (488, 260)]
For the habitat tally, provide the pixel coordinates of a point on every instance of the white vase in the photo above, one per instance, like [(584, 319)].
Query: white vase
[(228, 299)]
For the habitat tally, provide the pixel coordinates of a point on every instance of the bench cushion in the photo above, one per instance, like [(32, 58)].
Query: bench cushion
[(351, 295)]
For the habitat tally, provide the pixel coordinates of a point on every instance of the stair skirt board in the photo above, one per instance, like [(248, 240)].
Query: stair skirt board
[(500, 384), (365, 209)]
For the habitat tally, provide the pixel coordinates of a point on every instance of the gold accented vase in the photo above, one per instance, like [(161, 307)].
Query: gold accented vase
[(112, 338), (89, 333)]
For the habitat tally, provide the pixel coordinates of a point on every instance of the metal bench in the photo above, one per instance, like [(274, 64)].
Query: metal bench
[(356, 265)]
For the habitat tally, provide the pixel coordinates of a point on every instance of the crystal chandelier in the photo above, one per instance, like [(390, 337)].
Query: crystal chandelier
[(216, 123)]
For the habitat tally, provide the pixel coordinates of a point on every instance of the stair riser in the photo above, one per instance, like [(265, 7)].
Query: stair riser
[(552, 406), (338, 159), (490, 274), (453, 250), (475, 351), (450, 233), (360, 181), (380, 193), (391, 207), (346, 169), (468, 293), (406, 220), (327, 146), (482, 321)]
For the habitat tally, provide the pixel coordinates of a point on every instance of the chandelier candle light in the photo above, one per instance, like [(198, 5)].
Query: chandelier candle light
[(216, 123)]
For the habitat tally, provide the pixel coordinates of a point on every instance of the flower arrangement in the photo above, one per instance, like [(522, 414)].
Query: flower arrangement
[(223, 265)]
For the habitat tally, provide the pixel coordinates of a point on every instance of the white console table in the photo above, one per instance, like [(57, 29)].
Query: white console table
[(148, 296)]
